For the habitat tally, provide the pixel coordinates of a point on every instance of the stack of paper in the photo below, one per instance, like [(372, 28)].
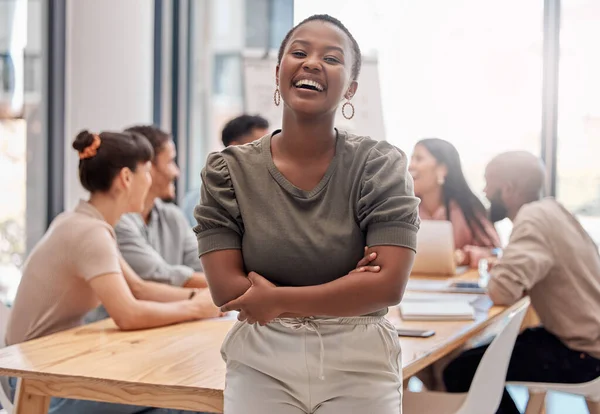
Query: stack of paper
[(417, 296), (436, 311), (419, 285)]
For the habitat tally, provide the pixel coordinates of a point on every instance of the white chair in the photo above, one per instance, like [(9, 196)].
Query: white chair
[(4, 386), (537, 394), (488, 384)]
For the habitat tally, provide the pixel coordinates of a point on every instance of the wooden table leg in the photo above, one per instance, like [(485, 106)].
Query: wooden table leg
[(26, 403)]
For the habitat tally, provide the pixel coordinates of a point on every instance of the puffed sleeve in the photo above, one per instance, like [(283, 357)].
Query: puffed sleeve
[(387, 208), (220, 225)]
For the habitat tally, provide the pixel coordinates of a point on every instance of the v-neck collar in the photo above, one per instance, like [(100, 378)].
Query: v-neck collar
[(287, 185)]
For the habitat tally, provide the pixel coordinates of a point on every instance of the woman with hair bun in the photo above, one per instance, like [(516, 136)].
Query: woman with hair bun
[(77, 264)]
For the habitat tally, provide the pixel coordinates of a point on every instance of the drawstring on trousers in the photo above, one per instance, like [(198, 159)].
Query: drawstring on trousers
[(310, 325)]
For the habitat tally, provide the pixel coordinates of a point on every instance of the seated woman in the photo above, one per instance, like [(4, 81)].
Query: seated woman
[(445, 195), (77, 265)]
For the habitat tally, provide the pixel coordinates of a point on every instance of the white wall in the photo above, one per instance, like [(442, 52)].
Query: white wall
[(109, 72)]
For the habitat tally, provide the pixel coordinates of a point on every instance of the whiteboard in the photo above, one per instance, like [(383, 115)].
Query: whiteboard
[(259, 86)]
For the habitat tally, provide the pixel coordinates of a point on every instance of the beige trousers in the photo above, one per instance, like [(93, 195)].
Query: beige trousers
[(313, 365)]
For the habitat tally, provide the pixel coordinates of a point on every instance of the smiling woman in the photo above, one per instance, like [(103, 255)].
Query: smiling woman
[(304, 45), (445, 195), (281, 225)]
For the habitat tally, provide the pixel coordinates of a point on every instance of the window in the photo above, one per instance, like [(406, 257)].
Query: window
[(578, 146), (267, 22), (13, 152), (453, 70), (467, 71), (220, 32), (18, 139)]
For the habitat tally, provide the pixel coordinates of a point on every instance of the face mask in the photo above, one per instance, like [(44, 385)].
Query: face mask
[(498, 210)]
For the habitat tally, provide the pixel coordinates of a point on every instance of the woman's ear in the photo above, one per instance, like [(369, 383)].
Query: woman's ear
[(351, 90), (442, 172), (125, 178), (277, 75)]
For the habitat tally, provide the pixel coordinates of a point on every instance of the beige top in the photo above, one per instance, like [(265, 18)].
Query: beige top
[(552, 258), (54, 294)]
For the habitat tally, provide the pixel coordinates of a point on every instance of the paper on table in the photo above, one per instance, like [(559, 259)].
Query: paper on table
[(431, 311), (413, 296), (427, 285), (420, 285)]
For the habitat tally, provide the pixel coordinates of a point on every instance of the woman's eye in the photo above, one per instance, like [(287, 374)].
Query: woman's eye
[(332, 59), (299, 53)]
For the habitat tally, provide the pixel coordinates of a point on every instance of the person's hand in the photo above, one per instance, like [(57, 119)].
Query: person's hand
[(475, 253), (362, 265), (460, 257), (196, 281), (258, 304), (204, 306)]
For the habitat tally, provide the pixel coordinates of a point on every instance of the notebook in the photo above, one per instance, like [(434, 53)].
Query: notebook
[(437, 311)]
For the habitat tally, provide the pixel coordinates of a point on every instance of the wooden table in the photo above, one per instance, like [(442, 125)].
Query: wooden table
[(177, 367)]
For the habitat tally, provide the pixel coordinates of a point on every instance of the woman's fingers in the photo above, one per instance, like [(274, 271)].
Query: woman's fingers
[(242, 316), (367, 259), (373, 269)]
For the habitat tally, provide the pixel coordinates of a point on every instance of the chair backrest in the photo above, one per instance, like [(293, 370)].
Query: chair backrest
[(488, 384), (5, 400)]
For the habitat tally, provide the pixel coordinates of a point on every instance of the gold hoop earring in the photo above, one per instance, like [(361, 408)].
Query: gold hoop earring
[(277, 96), (346, 104)]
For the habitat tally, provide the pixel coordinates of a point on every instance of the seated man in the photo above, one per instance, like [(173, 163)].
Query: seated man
[(239, 131), (552, 259), (159, 244)]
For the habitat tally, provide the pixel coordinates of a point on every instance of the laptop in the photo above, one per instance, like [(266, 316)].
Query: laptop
[(435, 249)]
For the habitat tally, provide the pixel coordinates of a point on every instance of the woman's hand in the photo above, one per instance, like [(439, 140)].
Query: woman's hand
[(362, 265), (204, 307), (258, 304)]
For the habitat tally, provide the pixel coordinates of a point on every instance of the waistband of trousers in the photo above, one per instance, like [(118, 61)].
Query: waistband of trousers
[(324, 320)]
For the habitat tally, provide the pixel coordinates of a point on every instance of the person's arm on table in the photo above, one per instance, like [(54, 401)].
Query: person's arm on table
[(130, 313), (148, 263), (525, 261), (152, 291)]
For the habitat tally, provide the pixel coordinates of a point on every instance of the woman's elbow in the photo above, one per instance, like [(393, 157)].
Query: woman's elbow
[(223, 293), (393, 292), (126, 323), (394, 296), (221, 298), (127, 319), (393, 285)]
